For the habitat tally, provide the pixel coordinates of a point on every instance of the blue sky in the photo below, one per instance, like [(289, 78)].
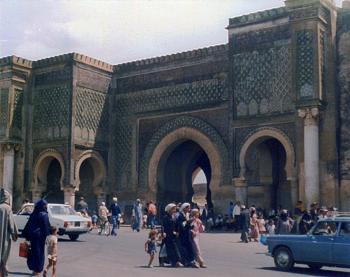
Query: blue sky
[(117, 31)]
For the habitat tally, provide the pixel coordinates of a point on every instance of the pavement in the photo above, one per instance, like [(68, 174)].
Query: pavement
[(94, 255)]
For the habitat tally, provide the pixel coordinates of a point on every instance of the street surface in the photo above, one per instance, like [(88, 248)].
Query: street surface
[(124, 255)]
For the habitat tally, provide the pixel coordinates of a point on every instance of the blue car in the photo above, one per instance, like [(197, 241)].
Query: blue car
[(327, 244)]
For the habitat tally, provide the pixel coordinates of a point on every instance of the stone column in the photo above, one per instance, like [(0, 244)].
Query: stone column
[(9, 167), (241, 190), (311, 154), (69, 196)]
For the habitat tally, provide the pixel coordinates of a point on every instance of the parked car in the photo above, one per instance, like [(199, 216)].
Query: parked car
[(65, 218), (327, 244)]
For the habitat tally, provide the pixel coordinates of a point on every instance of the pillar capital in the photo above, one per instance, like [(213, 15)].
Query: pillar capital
[(8, 146), (310, 115)]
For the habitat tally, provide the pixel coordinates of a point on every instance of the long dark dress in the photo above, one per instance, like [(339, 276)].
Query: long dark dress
[(171, 244), (186, 248), (36, 231)]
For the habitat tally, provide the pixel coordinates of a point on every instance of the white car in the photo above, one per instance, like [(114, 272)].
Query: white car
[(66, 219)]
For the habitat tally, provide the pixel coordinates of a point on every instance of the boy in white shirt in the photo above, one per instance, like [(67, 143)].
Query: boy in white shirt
[(51, 242)]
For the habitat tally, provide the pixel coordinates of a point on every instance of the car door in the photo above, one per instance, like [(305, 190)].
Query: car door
[(341, 245), (318, 245), (22, 217)]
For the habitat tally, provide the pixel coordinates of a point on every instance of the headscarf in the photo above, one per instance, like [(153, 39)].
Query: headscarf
[(194, 211), (5, 197), (184, 206), (40, 206), (169, 207)]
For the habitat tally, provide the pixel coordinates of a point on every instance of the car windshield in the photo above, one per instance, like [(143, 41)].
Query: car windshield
[(62, 210), (325, 228), (26, 210)]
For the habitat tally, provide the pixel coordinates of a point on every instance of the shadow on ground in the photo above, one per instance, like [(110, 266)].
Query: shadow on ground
[(310, 272)]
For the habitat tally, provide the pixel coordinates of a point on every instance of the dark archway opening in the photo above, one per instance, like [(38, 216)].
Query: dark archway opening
[(175, 173), (53, 193), (266, 176), (86, 187)]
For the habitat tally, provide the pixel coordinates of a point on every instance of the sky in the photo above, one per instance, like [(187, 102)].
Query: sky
[(117, 31)]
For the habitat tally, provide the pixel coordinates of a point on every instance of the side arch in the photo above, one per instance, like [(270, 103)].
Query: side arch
[(98, 165), (265, 133), (41, 167)]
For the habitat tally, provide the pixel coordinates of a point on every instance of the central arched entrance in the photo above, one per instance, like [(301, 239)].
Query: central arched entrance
[(176, 169)]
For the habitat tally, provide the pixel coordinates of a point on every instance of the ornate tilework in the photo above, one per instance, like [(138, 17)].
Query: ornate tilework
[(123, 142), (4, 94), (262, 81), (189, 94), (51, 112), (16, 125), (305, 65), (91, 109)]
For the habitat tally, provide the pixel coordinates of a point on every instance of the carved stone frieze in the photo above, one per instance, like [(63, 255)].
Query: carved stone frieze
[(55, 76), (193, 94)]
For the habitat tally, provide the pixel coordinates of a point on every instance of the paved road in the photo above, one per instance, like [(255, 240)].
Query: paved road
[(103, 256)]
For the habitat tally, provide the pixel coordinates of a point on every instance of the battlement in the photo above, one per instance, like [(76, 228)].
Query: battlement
[(258, 17), (74, 57), (14, 60), (177, 57)]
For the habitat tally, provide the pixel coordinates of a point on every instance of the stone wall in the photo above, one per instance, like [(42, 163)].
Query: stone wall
[(343, 39), (186, 83)]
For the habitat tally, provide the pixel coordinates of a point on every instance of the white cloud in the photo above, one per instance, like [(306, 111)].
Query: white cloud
[(117, 31)]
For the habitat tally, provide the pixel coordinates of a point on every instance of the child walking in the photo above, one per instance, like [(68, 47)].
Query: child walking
[(197, 227), (151, 246), (51, 243)]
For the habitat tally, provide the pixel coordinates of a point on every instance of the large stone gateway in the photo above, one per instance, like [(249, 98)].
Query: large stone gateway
[(265, 117)]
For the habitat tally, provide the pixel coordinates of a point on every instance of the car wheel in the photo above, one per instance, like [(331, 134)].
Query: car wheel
[(73, 237), (283, 258), (315, 267)]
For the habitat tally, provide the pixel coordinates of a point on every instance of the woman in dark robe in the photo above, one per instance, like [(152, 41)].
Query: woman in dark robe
[(36, 231), (185, 236), (171, 238)]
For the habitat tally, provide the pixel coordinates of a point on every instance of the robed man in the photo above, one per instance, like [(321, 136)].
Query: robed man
[(8, 230)]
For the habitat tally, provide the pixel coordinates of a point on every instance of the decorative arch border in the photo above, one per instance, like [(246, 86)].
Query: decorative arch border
[(87, 155), (47, 153), (260, 135), (185, 127)]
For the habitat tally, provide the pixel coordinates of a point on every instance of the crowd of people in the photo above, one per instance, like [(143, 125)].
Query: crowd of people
[(175, 231)]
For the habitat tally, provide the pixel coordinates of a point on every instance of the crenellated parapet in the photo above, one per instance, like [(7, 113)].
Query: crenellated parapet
[(73, 57), (14, 60), (172, 59), (258, 17)]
